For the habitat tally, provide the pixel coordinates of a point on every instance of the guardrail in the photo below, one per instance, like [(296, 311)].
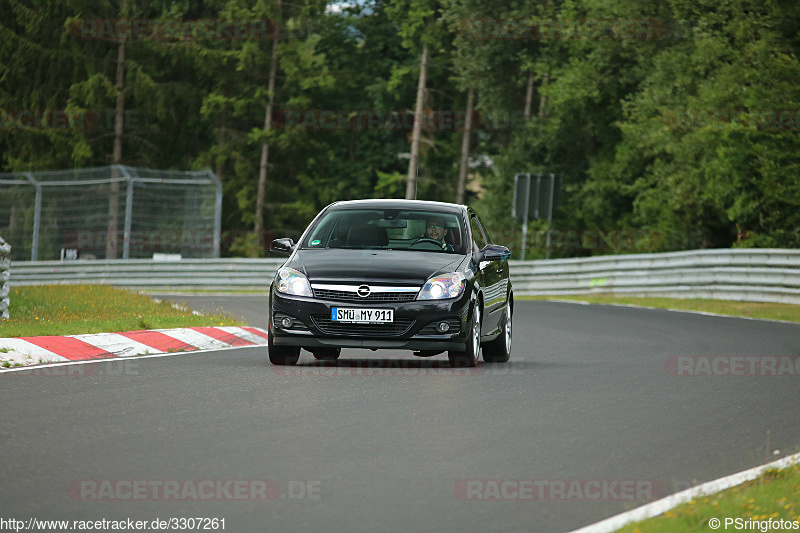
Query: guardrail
[(5, 271), (154, 276), (769, 275), (765, 275)]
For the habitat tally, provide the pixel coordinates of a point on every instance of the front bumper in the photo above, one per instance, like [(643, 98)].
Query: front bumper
[(414, 326)]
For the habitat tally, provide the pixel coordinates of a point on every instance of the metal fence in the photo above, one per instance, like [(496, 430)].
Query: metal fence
[(767, 275), (111, 212)]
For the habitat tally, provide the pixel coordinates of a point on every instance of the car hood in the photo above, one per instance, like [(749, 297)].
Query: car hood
[(373, 266)]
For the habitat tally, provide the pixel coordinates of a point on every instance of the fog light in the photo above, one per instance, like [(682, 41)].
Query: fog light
[(443, 327), (286, 322)]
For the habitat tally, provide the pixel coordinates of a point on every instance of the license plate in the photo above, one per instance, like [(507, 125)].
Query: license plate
[(375, 316)]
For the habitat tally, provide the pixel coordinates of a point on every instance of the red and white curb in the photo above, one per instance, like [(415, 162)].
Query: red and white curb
[(28, 351)]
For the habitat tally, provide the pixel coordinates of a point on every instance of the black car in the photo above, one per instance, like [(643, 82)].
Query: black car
[(392, 274)]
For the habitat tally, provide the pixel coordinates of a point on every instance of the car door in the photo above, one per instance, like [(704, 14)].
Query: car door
[(494, 279)]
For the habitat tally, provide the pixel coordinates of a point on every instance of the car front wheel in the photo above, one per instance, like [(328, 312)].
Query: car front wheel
[(499, 350), (282, 355), (327, 354), (469, 357)]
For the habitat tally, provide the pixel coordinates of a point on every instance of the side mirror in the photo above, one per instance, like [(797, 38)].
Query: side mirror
[(494, 252), (282, 246)]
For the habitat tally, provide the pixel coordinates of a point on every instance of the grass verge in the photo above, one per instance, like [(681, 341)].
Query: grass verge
[(770, 311), (774, 495), (76, 309)]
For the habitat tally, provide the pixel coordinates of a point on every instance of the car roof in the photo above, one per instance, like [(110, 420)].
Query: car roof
[(388, 203)]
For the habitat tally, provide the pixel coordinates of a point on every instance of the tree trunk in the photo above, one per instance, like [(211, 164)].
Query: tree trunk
[(529, 96), (542, 97), (221, 140), (413, 163), (462, 169), (116, 159), (262, 170)]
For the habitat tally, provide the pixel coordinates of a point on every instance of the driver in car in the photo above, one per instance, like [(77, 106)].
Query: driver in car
[(436, 230)]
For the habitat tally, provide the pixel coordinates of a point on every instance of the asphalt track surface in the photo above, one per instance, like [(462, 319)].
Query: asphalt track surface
[(387, 441)]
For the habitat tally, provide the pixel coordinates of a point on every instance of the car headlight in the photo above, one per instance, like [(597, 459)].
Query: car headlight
[(450, 285), (290, 281)]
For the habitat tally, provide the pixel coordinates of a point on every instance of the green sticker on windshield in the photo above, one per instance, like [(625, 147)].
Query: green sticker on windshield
[(315, 242)]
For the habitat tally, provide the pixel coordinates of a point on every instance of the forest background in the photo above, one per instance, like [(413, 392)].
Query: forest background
[(672, 124)]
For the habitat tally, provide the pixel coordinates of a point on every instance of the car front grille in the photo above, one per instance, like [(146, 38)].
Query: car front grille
[(392, 329), (349, 296)]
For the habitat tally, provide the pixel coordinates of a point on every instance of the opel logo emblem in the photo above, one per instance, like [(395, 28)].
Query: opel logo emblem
[(363, 291)]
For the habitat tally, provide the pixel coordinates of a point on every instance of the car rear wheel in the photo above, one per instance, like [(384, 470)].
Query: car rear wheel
[(327, 354), (469, 357), (499, 350), (282, 355)]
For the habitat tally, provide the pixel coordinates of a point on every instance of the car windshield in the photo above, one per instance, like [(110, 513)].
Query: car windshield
[(395, 229)]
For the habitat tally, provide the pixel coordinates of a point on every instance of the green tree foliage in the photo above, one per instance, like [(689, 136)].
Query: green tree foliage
[(734, 178), (628, 122), (674, 116)]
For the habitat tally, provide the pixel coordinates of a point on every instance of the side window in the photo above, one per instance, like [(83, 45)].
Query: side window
[(486, 234), (478, 237)]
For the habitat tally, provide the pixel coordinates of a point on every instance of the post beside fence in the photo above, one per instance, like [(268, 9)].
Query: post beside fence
[(5, 273)]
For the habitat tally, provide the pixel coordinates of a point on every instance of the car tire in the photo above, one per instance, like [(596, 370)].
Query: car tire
[(282, 355), (327, 354), (499, 350), (469, 357)]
